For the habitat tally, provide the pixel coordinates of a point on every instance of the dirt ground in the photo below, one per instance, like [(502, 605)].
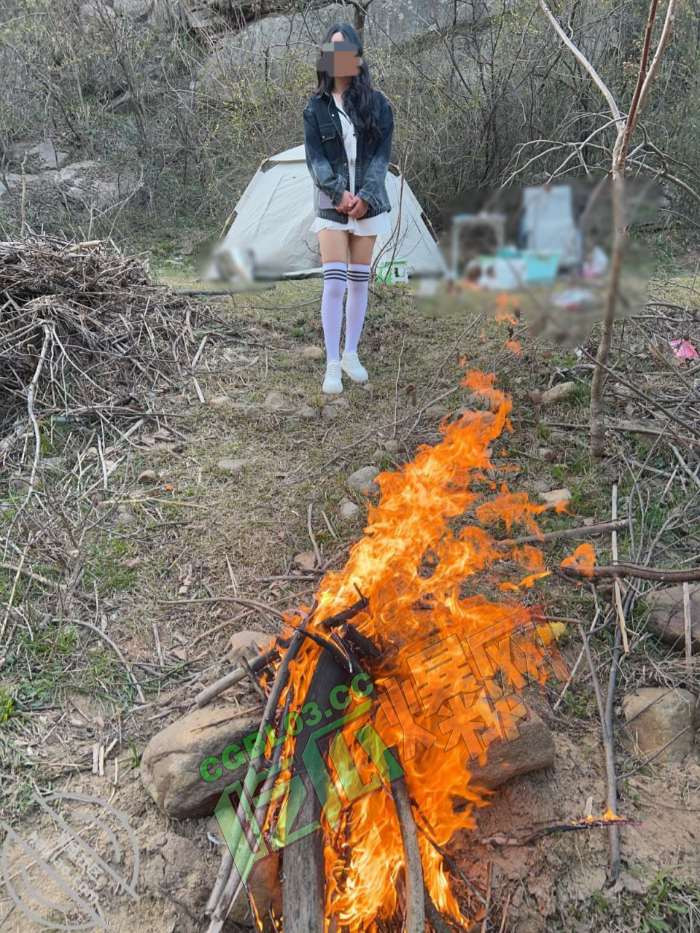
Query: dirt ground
[(179, 529)]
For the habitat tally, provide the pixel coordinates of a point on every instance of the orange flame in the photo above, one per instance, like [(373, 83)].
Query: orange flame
[(455, 652), (582, 560)]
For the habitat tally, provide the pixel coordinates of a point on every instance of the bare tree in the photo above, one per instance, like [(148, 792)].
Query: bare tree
[(625, 127)]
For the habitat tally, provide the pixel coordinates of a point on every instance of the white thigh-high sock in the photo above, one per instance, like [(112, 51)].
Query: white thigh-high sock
[(334, 281), (356, 304)]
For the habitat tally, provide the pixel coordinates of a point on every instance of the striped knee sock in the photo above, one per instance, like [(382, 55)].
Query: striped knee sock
[(356, 304), (334, 281)]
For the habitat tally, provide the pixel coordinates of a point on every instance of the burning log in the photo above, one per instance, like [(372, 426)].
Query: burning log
[(303, 889), (415, 897)]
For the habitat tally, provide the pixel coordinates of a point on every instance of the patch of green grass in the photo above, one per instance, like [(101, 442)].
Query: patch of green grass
[(47, 653), (105, 565), (670, 905), (7, 705), (581, 395)]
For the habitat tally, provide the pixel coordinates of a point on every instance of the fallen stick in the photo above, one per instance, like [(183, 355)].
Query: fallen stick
[(533, 834), (582, 531), (415, 900), (234, 677), (617, 589), (633, 570)]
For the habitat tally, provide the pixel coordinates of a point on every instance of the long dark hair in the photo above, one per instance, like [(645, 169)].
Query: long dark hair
[(357, 97)]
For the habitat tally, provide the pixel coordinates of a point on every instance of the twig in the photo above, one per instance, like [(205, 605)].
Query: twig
[(234, 677), (574, 669), (617, 591), (634, 570), (688, 626), (309, 518), (608, 745), (415, 902), (489, 892), (582, 531), (532, 835), (214, 904), (32, 576)]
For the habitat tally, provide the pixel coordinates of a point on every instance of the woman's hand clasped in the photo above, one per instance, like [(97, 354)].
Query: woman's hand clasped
[(359, 209), (347, 202), (353, 206)]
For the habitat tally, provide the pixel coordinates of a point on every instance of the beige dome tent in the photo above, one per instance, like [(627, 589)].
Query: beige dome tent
[(272, 219)]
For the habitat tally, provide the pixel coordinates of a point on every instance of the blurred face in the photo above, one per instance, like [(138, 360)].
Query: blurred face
[(339, 58)]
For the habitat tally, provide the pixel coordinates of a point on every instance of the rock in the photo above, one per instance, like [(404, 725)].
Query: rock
[(666, 618), (547, 454), (657, 716), (554, 496), (330, 412), (231, 467), (147, 476), (92, 183), (307, 411), (48, 156), (392, 446), (220, 401), (247, 644), (362, 480), (557, 393), (348, 510), (437, 411), (532, 750), (305, 561), (266, 43), (312, 353), (275, 401), (171, 763)]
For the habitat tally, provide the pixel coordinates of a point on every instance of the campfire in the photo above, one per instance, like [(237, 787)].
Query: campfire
[(410, 662)]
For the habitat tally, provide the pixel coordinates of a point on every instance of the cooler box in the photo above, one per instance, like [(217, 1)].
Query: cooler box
[(540, 267), (392, 272)]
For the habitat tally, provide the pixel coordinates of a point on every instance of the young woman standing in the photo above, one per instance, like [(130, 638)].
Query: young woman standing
[(348, 128)]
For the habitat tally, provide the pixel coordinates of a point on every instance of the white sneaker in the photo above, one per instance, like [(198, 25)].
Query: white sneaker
[(353, 367), (333, 383)]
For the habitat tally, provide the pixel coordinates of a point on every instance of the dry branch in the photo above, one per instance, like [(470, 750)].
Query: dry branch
[(634, 570), (82, 328), (527, 836), (415, 900)]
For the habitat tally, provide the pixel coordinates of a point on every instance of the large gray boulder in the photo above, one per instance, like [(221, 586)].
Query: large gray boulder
[(93, 184), (173, 768), (266, 43), (660, 722), (667, 619)]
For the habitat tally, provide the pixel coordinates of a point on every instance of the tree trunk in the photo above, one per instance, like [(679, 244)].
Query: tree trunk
[(597, 423)]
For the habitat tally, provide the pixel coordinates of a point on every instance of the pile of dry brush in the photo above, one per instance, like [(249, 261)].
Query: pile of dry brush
[(83, 331)]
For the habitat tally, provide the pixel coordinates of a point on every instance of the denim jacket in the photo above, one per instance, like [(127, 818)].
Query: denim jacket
[(327, 161)]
